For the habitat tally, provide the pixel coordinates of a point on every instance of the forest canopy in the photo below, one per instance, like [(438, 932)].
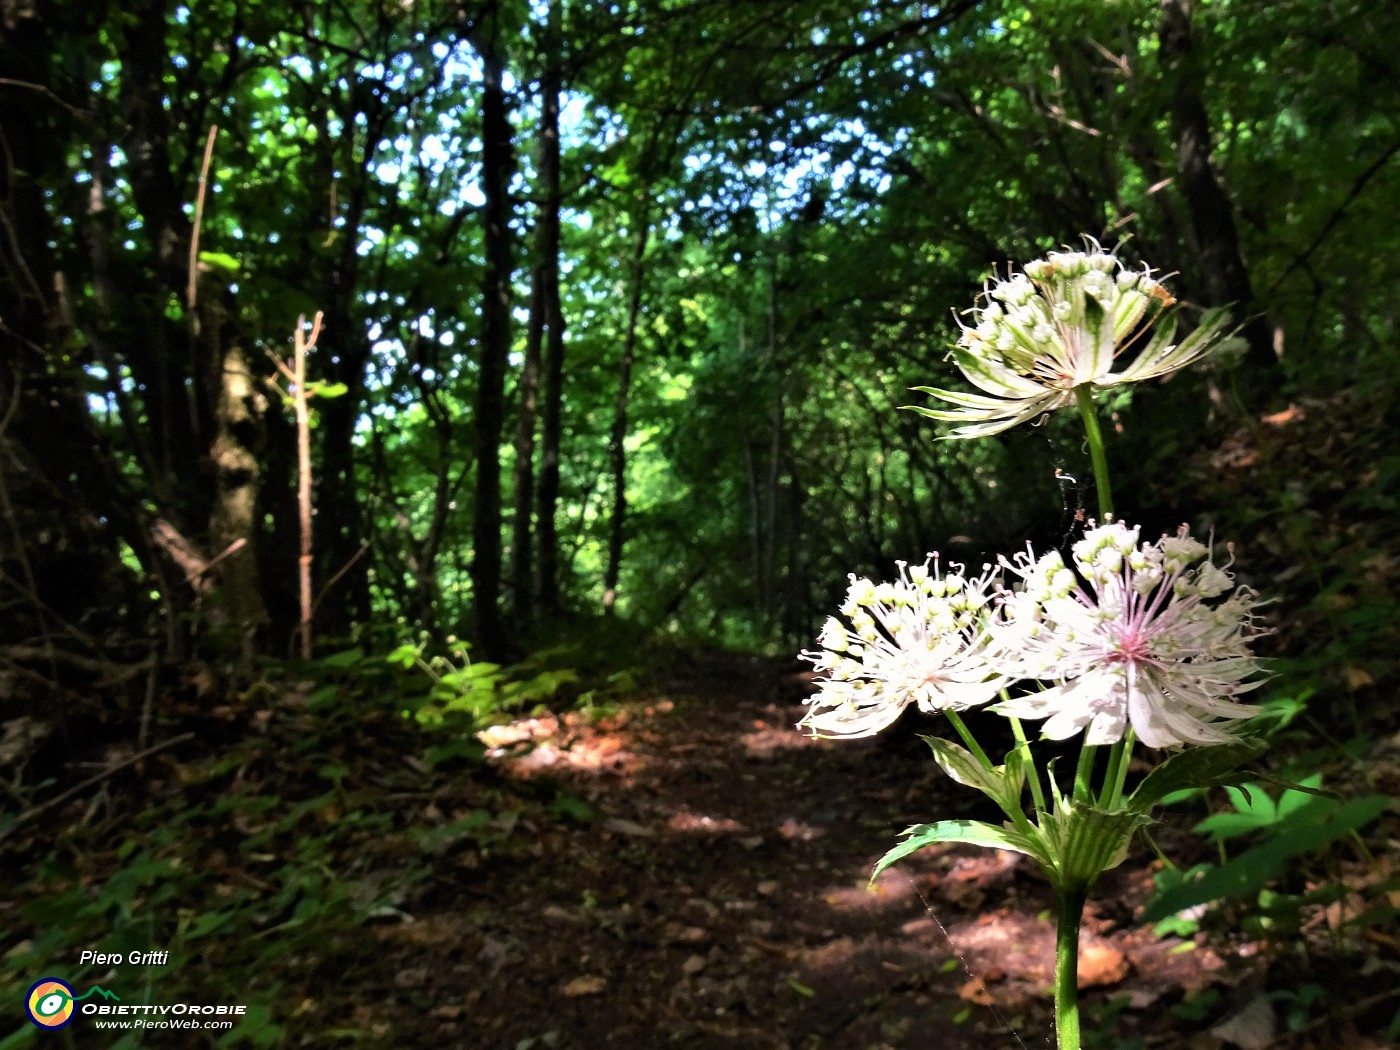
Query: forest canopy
[(619, 300)]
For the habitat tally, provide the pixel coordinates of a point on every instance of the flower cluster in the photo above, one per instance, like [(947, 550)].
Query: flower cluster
[(1149, 635), (920, 640), (1152, 635), (1062, 324)]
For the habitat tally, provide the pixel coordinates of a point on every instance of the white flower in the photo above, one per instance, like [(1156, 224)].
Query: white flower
[(1150, 635), (1062, 324), (920, 640)]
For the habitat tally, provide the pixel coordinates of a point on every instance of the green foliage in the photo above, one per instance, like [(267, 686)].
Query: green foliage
[(1002, 784), (440, 691), (1190, 769), (289, 843), (1297, 823), (1103, 1023), (972, 832)]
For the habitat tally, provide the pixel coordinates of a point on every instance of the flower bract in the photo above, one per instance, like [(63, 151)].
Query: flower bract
[(1063, 323), (920, 640), (1149, 635)]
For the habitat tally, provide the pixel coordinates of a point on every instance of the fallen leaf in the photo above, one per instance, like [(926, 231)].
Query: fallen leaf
[(1357, 677), (975, 992), (555, 913), (1100, 965), (630, 828), (795, 830), (1251, 1027), (1288, 415), (678, 934), (589, 984)]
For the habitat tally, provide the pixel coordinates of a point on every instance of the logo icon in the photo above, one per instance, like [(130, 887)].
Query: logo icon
[(50, 1003)]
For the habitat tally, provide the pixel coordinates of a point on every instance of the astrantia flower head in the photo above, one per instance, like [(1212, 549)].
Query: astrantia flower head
[(1037, 335), (920, 640), (1152, 635)]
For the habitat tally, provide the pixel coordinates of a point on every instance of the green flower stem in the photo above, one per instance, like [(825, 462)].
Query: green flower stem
[(1032, 774), (1067, 967), (1084, 773), (1115, 760), (1085, 398), (968, 738), (1129, 739)]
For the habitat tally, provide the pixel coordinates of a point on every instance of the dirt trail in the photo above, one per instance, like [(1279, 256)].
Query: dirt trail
[(719, 897)]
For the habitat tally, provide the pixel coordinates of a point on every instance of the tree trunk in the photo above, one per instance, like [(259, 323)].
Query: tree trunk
[(62, 493), (1212, 219), (496, 167), (339, 530), (233, 522), (342, 356), (552, 414), (617, 444), (796, 618), (522, 583)]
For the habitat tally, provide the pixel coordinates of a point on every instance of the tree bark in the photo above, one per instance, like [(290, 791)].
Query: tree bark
[(234, 520), (496, 169), (1217, 245), (342, 356), (617, 444), (552, 412), (522, 564)]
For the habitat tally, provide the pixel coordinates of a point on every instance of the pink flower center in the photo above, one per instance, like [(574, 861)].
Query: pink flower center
[(1130, 646)]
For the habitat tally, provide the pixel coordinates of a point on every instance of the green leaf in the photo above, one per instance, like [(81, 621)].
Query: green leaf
[(340, 661), (468, 750), (207, 923), (219, 261), (1314, 825), (1001, 784), (328, 389), (973, 832), (1290, 801), (1194, 767), (1253, 812)]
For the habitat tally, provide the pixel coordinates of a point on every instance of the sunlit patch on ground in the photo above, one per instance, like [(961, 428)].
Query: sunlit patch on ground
[(895, 886), (701, 823), (550, 743), (765, 739)]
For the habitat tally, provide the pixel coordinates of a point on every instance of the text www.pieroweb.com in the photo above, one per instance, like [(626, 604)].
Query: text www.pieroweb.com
[(131, 1016)]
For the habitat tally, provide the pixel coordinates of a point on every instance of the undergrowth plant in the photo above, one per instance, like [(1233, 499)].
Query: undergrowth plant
[(277, 851), (1141, 648)]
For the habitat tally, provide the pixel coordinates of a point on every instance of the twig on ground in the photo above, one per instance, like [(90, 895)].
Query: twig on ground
[(98, 778)]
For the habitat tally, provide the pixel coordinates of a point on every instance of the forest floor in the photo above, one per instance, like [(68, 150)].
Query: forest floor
[(682, 868), (720, 897)]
